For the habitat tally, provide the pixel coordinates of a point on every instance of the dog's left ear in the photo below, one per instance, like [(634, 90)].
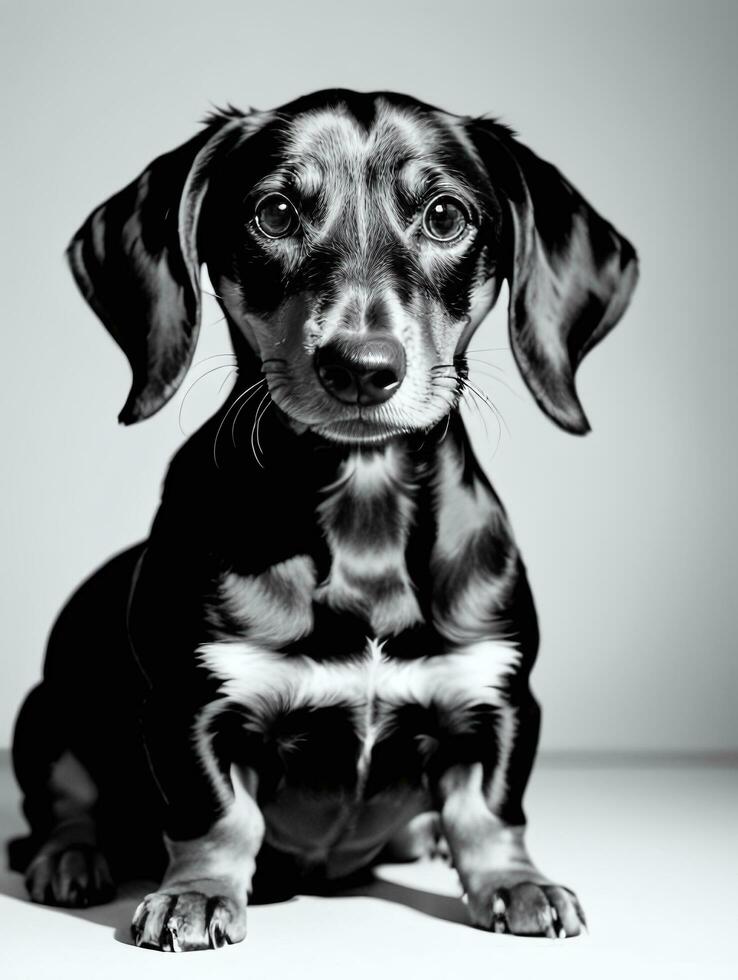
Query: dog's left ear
[(571, 274), (135, 260)]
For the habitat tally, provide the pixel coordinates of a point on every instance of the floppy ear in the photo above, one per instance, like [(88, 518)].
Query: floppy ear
[(571, 274), (135, 260)]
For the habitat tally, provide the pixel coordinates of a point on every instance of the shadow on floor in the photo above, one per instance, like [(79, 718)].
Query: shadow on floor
[(444, 907), (117, 915)]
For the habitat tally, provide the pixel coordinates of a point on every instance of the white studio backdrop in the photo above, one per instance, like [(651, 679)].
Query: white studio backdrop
[(629, 533)]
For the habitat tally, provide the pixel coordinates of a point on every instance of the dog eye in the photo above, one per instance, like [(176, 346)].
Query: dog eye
[(276, 216), (444, 219)]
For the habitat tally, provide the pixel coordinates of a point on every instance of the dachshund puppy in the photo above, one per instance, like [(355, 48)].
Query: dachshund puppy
[(329, 631)]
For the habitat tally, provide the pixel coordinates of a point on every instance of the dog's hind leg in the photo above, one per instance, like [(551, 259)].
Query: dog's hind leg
[(75, 749), (62, 860)]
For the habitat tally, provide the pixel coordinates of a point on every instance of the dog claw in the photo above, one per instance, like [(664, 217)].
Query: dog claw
[(580, 911), (499, 914), (188, 920), (173, 939), (559, 930), (527, 908), (548, 927)]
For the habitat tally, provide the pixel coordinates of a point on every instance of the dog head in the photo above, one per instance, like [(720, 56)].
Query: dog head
[(355, 241)]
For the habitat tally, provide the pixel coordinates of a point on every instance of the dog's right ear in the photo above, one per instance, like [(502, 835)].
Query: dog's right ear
[(135, 260)]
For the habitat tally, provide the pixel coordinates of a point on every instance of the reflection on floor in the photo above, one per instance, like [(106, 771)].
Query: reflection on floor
[(651, 848)]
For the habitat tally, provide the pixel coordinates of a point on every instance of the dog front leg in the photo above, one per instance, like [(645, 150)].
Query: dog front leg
[(213, 832), (483, 822)]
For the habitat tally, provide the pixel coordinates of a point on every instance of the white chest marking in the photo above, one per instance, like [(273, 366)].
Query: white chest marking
[(267, 683)]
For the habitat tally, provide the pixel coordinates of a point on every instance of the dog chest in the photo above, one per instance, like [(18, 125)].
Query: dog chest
[(366, 517), (358, 724)]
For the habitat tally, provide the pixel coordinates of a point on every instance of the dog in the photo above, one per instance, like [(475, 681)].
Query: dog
[(321, 654)]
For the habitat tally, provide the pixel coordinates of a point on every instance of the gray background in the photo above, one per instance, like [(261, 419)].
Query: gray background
[(628, 534)]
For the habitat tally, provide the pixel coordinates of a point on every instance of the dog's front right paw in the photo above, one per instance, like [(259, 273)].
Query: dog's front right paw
[(188, 920)]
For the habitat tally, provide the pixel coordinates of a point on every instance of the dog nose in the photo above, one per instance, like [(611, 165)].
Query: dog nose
[(367, 371)]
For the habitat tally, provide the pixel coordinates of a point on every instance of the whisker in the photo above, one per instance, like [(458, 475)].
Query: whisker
[(474, 402), (488, 402), (223, 420), (499, 381), (241, 408), (484, 350), (218, 367), (445, 431), (480, 360), (228, 377), (452, 385), (259, 418), (210, 357), (253, 430), (480, 394)]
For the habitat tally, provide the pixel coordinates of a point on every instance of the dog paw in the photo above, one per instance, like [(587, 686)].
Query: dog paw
[(73, 877), (189, 920), (529, 909)]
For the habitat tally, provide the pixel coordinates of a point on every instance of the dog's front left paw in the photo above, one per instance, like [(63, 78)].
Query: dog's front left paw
[(527, 908), (189, 920)]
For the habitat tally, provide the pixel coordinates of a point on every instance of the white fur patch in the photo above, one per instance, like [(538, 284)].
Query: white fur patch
[(274, 608), (267, 683)]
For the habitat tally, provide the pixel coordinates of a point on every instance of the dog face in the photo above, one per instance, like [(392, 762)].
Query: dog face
[(355, 242), (364, 242)]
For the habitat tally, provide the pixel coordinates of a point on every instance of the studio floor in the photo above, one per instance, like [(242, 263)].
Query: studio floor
[(651, 846)]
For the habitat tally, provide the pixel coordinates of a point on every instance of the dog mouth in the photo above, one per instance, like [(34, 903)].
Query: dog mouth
[(367, 430), (359, 430), (415, 412)]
